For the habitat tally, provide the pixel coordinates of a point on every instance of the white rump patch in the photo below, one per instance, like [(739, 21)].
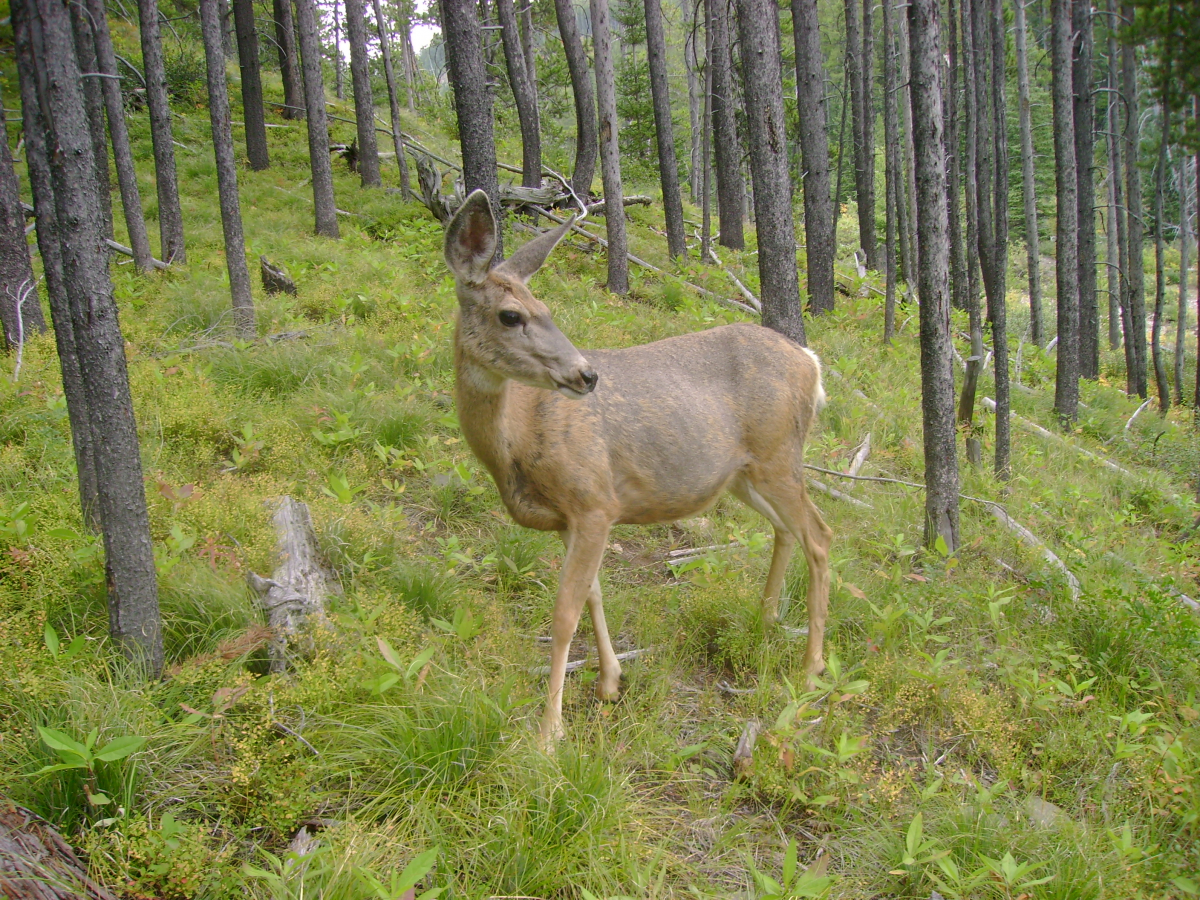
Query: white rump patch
[(819, 400)]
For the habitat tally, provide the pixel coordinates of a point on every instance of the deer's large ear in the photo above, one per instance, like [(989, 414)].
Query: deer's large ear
[(529, 258), (471, 239)]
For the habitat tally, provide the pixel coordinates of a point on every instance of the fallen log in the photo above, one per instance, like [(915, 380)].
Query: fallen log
[(37, 864)]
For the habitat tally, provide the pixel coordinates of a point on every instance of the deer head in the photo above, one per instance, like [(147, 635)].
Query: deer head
[(503, 330)]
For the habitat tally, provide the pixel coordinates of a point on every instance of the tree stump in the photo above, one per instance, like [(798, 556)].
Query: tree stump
[(37, 864), (275, 279)]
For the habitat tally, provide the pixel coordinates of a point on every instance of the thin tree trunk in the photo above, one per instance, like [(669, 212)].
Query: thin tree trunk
[(409, 63), (610, 153), (472, 103), (1181, 313), (586, 144), (364, 100), (289, 61), (1160, 287), (868, 130), (908, 217), (819, 236), (762, 78), (841, 147), (692, 64), (970, 181), (1120, 215), (227, 186), (864, 165), (524, 93), (93, 98), (252, 92), (1085, 126), (318, 127), (706, 156), (114, 105), (1025, 116), (43, 33), (529, 49), (731, 195), (228, 46), (998, 308), (170, 213), (958, 258), (1112, 261), (385, 45), (668, 164), (937, 374), (20, 306), (1066, 384), (339, 80), (1134, 275), (891, 170)]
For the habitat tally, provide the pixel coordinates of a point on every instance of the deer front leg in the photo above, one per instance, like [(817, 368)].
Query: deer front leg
[(585, 546), (608, 685)]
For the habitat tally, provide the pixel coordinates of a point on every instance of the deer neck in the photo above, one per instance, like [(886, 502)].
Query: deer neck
[(484, 402)]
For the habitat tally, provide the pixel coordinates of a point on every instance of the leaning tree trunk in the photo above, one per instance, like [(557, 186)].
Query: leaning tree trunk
[(472, 102), (20, 307), (227, 186), (364, 101), (389, 73), (170, 213), (289, 61), (664, 129), (762, 78), (1066, 383), (937, 374), (252, 92), (1025, 116), (114, 105), (524, 91), (585, 98), (958, 254), (47, 62), (610, 152), (819, 237), (93, 98), (998, 310), (1135, 278), (1160, 273), (1085, 151), (891, 170), (318, 126), (1181, 314), (726, 145)]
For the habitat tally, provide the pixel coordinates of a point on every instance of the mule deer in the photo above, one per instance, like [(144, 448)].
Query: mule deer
[(651, 434)]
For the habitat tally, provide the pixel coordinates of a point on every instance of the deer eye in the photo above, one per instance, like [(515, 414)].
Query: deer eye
[(510, 318)]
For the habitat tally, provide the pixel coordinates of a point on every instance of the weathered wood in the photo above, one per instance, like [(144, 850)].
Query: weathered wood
[(743, 756), (1032, 540), (37, 864), (275, 279)]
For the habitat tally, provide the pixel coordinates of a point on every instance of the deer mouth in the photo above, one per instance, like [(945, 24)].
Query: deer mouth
[(571, 393)]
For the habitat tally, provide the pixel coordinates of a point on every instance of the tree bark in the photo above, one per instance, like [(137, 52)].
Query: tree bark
[(971, 182), (529, 50), (524, 94), (1160, 274), (20, 306), (37, 864), (958, 258), (318, 127), (364, 101), (762, 79), (385, 45), (664, 128), (908, 209), (937, 374), (227, 186), (691, 64), (585, 99), (43, 34), (93, 98), (868, 126), (1028, 186), (252, 92), (289, 61), (864, 167), (820, 238), (339, 80), (1085, 125), (170, 213), (891, 169), (1135, 280), (731, 194), (1066, 384), (610, 153), (706, 156), (114, 105), (998, 308), (472, 103), (1120, 213), (1181, 313)]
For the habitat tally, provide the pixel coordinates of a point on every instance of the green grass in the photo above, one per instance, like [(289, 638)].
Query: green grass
[(965, 689)]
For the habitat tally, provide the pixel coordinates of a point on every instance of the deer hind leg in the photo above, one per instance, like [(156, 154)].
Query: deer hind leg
[(609, 683), (785, 544), (585, 547)]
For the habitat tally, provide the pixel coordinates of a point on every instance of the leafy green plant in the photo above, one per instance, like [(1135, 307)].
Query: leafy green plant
[(464, 625), (170, 553), (338, 486), (794, 882), (247, 450), (401, 670), (83, 755), (399, 885), (57, 652)]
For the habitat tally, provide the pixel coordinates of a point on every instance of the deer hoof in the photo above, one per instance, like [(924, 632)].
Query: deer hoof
[(608, 692)]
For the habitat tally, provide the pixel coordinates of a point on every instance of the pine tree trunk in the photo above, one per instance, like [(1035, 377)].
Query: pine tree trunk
[(318, 127), (227, 186), (1135, 278), (971, 182), (958, 257), (731, 195), (408, 62), (1181, 313), (819, 237), (1085, 126), (891, 169), (1025, 116), (868, 130), (529, 49), (339, 80), (385, 45), (908, 214), (762, 79), (864, 165), (1112, 261), (170, 213), (472, 103), (610, 153), (20, 306), (364, 100), (1160, 274), (93, 98), (691, 65), (1120, 214), (586, 145), (43, 32), (524, 94), (998, 308), (289, 61), (664, 128), (1066, 384), (706, 167), (228, 46), (937, 374), (252, 92), (114, 105)]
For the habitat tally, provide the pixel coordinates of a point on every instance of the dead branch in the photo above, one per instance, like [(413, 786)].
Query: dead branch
[(1051, 436), (1032, 540), (121, 248), (581, 663)]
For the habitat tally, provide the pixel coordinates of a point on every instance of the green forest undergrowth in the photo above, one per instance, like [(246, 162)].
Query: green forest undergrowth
[(979, 733)]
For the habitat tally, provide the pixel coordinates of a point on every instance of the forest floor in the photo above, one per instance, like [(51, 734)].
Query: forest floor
[(982, 732)]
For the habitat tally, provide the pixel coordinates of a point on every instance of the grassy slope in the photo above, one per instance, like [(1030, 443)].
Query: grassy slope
[(966, 690)]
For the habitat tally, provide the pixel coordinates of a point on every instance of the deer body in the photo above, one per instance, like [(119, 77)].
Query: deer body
[(663, 431)]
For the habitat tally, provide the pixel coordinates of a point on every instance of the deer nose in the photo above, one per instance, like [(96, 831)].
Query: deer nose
[(589, 379)]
